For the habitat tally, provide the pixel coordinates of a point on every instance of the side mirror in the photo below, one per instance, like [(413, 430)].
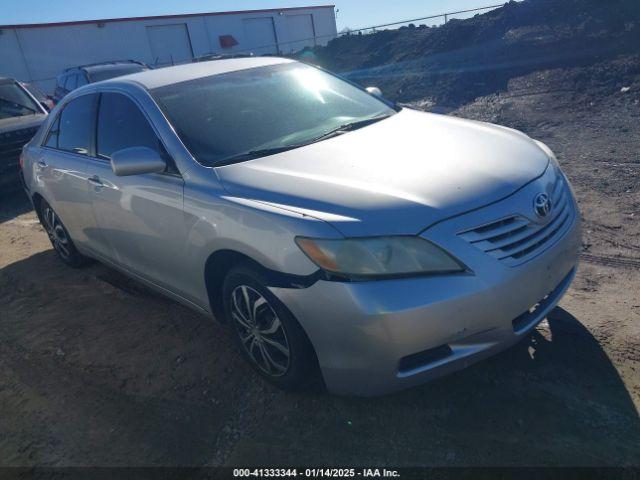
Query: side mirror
[(136, 161), (375, 91)]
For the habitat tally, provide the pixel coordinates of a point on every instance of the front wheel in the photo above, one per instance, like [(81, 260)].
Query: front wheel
[(59, 237), (268, 334)]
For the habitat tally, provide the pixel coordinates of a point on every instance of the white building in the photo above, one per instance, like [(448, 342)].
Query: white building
[(39, 52)]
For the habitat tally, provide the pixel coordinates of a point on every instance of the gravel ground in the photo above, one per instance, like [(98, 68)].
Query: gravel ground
[(97, 370)]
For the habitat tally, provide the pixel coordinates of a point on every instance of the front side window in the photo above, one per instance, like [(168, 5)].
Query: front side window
[(72, 130), (121, 125), (15, 102), (225, 117)]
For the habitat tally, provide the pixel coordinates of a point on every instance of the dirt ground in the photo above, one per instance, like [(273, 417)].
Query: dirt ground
[(96, 370)]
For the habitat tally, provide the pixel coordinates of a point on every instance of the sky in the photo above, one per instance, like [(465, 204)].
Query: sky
[(351, 13)]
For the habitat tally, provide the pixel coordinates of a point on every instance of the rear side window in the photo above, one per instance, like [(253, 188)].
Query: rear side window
[(121, 125), (72, 130), (71, 82), (82, 79)]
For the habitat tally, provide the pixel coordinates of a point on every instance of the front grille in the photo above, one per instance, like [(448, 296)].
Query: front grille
[(515, 239), (11, 144)]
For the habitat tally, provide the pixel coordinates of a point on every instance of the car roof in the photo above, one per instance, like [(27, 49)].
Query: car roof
[(161, 77), (6, 80)]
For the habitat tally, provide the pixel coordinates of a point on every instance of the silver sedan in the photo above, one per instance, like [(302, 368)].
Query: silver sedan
[(343, 237)]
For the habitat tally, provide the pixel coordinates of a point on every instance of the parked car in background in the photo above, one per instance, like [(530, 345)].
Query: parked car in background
[(335, 231), (76, 77), (45, 100), (220, 56), (20, 117)]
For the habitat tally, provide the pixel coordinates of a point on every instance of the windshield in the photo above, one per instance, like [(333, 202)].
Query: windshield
[(260, 109), (15, 102), (105, 73)]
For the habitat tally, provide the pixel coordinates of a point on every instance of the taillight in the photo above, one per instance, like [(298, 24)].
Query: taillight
[(21, 159)]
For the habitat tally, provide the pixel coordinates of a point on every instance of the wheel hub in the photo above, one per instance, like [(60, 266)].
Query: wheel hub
[(261, 332), (56, 232)]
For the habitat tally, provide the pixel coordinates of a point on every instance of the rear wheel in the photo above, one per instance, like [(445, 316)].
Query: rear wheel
[(59, 237), (267, 333)]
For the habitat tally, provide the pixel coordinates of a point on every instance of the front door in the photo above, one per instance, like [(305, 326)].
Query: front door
[(140, 217)]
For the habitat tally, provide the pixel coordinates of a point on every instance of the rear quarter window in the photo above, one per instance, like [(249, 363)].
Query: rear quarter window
[(72, 130), (71, 82)]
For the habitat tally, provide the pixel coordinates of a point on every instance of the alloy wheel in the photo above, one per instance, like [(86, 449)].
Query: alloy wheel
[(57, 233), (261, 332)]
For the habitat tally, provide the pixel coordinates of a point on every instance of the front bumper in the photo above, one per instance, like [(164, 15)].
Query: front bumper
[(367, 334)]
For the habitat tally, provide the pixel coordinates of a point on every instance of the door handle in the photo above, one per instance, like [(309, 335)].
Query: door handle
[(42, 163), (95, 180)]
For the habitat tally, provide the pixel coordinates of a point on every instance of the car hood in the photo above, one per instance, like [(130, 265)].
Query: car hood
[(17, 123), (396, 176)]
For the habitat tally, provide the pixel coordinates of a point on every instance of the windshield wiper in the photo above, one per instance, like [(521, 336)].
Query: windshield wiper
[(349, 126), (6, 100), (264, 152), (251, 154)]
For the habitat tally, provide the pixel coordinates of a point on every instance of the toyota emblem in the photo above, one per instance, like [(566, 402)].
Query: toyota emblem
[(542, 205)]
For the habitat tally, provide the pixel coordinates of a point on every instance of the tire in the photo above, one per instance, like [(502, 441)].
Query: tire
[(271, 340), (60, 238)]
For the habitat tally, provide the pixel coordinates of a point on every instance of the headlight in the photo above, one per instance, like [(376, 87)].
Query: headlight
[(379, 256)]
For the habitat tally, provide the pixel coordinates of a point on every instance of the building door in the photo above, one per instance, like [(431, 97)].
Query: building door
[(300, 32), (170, 44), (260, 35)]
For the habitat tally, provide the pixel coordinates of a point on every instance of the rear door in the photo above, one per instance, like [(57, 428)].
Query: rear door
[(140, 217), (62, 166)]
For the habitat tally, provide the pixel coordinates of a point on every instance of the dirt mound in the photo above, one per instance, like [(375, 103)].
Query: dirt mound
[(465, 59)]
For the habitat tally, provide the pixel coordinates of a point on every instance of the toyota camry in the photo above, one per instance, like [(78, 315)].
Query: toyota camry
[(342, 237)]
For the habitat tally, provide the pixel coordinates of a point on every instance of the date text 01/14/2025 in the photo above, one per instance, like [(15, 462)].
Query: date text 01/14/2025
[(315, 472)]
